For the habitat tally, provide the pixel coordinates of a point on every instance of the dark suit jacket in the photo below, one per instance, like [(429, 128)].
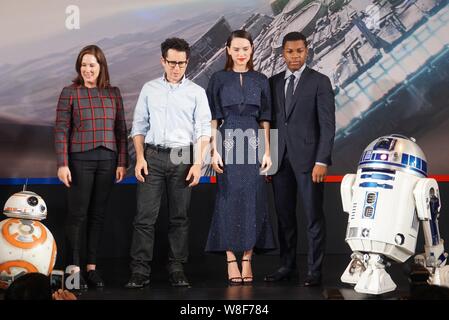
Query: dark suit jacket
[(308, 129)]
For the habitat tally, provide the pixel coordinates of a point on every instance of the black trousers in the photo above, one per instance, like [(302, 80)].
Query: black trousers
[(92, 181), (287, 184), (163, 176)]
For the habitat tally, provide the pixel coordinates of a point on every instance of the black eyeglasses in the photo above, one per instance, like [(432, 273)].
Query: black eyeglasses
[(172, 64)]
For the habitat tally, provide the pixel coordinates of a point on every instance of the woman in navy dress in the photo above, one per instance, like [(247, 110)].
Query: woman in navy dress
[(240, 103)]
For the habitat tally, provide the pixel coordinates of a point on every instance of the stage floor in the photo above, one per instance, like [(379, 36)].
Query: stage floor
[(207, 276)]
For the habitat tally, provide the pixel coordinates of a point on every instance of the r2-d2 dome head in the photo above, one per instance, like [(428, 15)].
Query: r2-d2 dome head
[(25, 205), (395, 152)]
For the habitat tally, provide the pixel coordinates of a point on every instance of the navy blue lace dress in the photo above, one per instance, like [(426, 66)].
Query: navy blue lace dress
[(240, 221)]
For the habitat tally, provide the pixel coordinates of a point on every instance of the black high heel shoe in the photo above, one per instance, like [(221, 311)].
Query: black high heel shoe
[(248, 279), (234, 281)]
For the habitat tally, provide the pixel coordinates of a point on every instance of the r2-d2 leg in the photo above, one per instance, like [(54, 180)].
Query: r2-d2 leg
[(428, 206), (354, 269), (368, 273), (374, 280)]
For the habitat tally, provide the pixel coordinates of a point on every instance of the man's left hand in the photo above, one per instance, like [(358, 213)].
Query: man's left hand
[(319, 173), (195, 173)]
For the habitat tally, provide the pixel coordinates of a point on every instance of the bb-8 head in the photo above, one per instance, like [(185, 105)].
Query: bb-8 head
[(25, 205)]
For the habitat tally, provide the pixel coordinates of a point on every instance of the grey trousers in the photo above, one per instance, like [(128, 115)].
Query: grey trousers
[(163, 176)]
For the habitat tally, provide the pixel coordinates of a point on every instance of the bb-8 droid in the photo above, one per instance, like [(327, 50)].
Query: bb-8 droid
[(26, 245)]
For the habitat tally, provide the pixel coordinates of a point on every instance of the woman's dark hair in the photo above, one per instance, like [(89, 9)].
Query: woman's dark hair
[(175, 44), (103, 77), (31, 286), (244, 35)]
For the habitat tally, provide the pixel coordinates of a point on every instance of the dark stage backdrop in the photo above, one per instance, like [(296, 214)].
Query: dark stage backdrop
[(117, 233)]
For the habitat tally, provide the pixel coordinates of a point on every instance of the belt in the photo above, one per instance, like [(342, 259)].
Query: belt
[(159, 148)]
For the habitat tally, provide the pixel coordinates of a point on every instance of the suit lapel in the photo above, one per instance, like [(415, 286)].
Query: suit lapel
[(298, 90), (280, 85)]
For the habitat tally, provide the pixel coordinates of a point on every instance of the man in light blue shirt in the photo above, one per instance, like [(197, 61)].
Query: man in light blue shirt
[(172, 118)]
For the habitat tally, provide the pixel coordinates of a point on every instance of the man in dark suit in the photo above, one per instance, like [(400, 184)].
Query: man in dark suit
[(304, 114)]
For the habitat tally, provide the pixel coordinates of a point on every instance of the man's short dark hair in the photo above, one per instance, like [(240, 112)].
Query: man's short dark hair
[(294, 36), (175, 44)]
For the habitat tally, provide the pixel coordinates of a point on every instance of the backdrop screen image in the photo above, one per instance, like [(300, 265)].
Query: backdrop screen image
[(388, 61)]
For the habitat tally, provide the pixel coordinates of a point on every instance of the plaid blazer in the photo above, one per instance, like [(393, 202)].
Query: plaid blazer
[(87, 118)]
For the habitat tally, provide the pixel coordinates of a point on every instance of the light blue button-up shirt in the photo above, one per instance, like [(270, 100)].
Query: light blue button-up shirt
[(172, 115)]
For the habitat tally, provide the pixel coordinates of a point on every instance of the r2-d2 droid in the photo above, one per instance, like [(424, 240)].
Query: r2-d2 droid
[(26, 245), (385, 201)]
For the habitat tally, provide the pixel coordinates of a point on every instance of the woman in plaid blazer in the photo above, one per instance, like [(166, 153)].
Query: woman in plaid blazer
[(91, 148)]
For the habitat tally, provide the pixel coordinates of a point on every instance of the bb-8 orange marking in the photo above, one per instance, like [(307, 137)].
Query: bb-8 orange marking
[(17, 264), (11, 238), (53, 258)]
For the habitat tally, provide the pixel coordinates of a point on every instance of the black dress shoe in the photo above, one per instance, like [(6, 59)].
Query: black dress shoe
[(137, 281), (312, 281), (279, 275), (178, 279), (94, 279)]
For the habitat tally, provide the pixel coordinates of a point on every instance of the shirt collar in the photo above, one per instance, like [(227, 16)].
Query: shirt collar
[(297, 73), (175, 85)]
